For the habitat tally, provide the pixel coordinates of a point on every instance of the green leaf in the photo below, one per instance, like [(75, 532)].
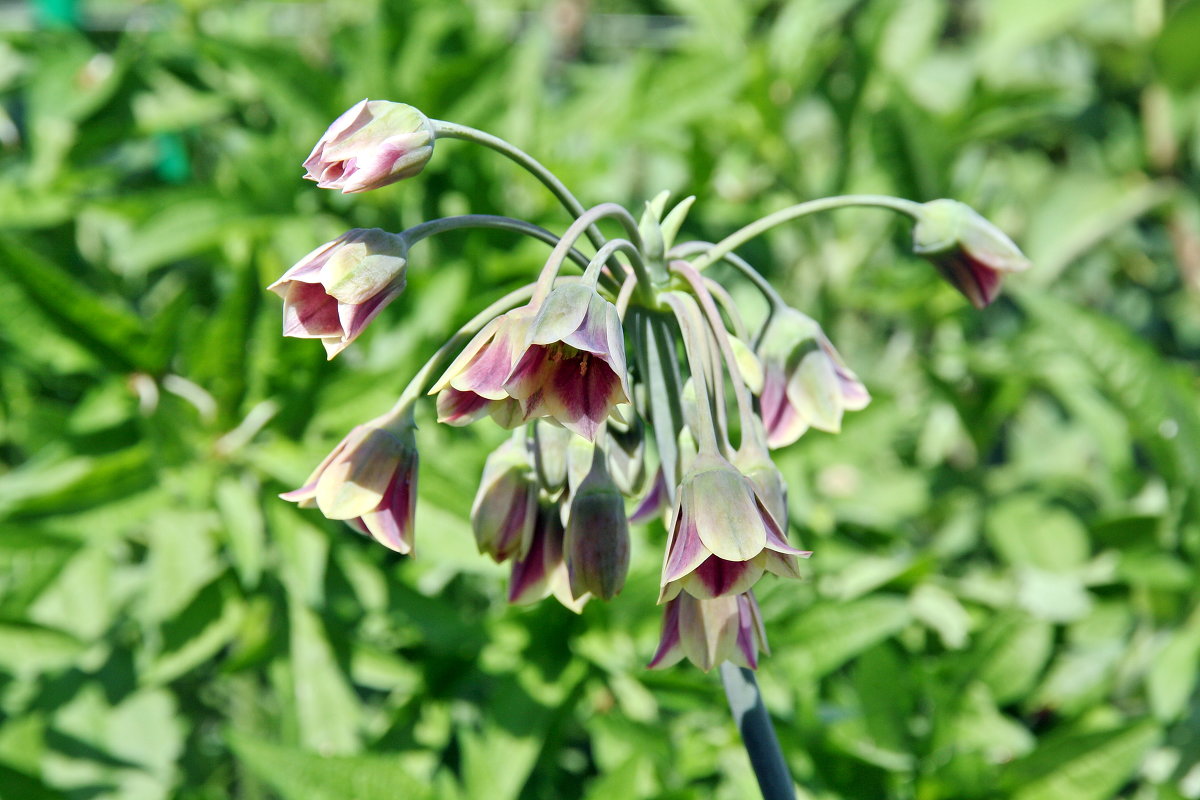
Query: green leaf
[(304, 775), (28, 649), (1088, 766), (114, 334), (824, 638)]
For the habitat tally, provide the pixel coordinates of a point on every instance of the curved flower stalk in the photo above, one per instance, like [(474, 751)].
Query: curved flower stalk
[(334, 291), (595, 425)]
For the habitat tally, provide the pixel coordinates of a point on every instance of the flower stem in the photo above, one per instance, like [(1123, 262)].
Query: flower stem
[(594, 214), (758, 735), (740, 237), (435, 226), (717, 325), (692, 329), (451, 130), (737, 262)]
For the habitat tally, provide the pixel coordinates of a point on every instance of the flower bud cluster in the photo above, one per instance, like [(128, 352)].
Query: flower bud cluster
[(625, 390)]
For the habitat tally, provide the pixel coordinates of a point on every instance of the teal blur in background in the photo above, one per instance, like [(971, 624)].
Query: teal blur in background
[(1002, 599)]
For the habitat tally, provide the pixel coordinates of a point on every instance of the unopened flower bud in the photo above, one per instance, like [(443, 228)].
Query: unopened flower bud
[(970, 252), (370, 481), (373, 144), (502, 515), (597, 535), (334, 291)]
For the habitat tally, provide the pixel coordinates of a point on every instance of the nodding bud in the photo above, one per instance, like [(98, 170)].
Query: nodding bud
[(970, 252), (708, 632), (805, 381), (370, 481), (542, 571), (505, 506), (597, 535), (334, 291), (375, 143)]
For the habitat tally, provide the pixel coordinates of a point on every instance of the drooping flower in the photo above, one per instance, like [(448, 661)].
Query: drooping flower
[(334, 291), (373, 144), (542, 571), (571, 367), (710, 631), (473, 385), (805, 382), (370, 481), (505, 506), (970, 252), (597, 534), (721, 537)]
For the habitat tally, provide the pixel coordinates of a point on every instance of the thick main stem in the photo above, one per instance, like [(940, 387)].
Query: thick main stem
[(758, 735), (740, 237)]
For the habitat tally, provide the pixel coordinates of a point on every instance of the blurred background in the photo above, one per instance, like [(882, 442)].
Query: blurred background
[(1002, 601)]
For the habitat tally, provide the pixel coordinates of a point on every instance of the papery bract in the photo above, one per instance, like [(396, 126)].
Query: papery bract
[(970, 252), (375, 143), (370, 481), (334, 291), (572, 365), (502, 516), (805, 382), (710, 631), (721, 535)]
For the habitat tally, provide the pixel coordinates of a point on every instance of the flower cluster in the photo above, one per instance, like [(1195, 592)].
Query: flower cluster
[(610, 425)]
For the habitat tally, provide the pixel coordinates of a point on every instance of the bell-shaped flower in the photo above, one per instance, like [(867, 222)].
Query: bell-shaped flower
[(370, 481), (375, 143), (970, 252), (708, 632), (597, 534), (473, 385), (505, 506), (805, 382), (542, 571), (722, 536), (334, 291), (572, 364)]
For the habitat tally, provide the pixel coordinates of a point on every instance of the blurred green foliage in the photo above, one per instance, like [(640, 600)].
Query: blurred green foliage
[(1002, 601)]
